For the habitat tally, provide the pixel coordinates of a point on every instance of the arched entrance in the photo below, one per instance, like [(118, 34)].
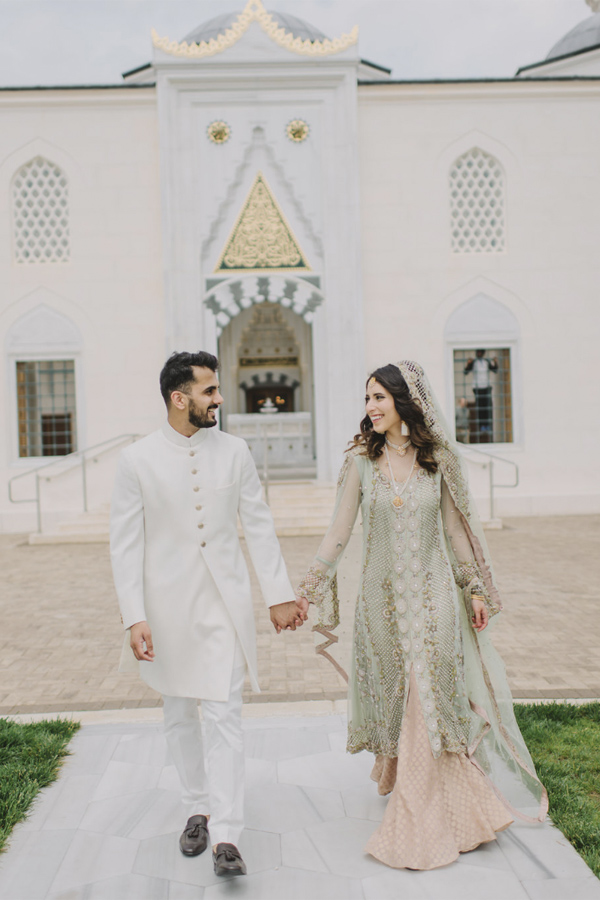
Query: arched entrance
[(265, 348)]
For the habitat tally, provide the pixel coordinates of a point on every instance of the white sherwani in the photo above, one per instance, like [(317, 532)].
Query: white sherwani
[(177, 560)]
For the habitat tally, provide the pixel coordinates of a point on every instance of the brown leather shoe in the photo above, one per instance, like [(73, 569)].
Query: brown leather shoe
[(227, 860), (194, 839)]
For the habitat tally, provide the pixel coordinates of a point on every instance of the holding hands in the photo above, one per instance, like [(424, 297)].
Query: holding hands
[(289, 616)]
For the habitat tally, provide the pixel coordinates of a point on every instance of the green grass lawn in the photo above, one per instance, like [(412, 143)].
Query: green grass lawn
[(564, 741), (30, 759)]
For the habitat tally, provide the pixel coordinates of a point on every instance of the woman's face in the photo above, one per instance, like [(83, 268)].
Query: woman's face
[(380, 408)]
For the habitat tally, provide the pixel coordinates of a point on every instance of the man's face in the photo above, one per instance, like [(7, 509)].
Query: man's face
[(203, 398)]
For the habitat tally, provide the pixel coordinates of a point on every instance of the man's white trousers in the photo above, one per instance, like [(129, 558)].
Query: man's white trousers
[(212, 778)]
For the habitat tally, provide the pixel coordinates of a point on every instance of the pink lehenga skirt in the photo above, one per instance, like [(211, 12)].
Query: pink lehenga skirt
[(438, 807)]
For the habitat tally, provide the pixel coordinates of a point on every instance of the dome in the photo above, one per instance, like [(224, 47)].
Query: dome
[(214, 27), (584, 36)]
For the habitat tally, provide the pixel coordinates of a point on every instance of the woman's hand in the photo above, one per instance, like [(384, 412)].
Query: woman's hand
[(479, 619)]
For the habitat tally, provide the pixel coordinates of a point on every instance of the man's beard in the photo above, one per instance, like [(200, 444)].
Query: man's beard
[(198, 418)]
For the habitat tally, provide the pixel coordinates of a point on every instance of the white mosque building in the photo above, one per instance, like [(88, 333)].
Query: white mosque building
[(260, 191)]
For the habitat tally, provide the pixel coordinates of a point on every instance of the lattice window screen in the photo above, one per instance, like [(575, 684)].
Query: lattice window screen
[(477, 203), (41, 213)]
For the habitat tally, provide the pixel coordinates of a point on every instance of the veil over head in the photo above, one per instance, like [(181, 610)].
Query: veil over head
[(496, 745), (452, 466)]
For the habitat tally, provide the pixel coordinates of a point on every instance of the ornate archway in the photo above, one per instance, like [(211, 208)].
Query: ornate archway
[(264, 335)]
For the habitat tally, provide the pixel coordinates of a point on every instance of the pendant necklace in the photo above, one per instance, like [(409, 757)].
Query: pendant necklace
[(401, 449), (398, 502)]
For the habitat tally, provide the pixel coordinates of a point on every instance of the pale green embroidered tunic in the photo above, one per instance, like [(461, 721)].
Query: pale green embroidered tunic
[(418, 573)]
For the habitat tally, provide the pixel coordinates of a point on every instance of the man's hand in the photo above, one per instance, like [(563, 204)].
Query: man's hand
[(140, 634), (289, 615)]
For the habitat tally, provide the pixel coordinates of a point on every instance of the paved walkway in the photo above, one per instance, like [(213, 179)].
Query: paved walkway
[(108, 830), (61, 636)]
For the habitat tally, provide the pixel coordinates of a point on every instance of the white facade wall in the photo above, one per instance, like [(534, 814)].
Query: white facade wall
[(547, 138), (257, 87), (152, 203), (104, 307)]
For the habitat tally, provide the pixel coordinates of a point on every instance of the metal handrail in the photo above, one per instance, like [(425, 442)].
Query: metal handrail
[(78, 457), (490, 457)]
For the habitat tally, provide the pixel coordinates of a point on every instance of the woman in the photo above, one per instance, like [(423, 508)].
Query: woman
[(427, 693)]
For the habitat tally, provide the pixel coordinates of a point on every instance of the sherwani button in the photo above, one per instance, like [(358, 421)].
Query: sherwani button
[(192, 453), (203, 543), (200, 525), (198, 507), (194, 471), (196, 488)]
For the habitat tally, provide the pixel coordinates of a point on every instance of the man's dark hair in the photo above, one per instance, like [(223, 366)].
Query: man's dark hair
[(177, 373)]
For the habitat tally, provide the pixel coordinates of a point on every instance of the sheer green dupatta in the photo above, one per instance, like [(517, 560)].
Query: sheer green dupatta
[(496, 745), (320, 584)]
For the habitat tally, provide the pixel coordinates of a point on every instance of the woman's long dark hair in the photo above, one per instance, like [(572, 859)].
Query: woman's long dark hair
[(372, 443)]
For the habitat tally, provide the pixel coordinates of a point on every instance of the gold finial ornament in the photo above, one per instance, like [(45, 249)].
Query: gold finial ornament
[(297, 130), (219, 132), (254, 11)]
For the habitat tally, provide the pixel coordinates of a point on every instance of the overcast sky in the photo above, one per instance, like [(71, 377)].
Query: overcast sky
[(52, 42)]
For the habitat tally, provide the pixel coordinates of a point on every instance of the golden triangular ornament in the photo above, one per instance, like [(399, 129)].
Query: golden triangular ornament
[(261, 238)]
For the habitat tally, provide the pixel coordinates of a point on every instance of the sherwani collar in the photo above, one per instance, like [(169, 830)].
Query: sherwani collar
[(181, 440)]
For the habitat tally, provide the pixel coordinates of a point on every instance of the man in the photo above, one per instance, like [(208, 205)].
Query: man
[(184, 592), (481, 368), (462, 418)]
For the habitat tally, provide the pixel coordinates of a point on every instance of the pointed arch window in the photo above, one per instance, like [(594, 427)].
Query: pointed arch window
[(40, 199), (477, 203)]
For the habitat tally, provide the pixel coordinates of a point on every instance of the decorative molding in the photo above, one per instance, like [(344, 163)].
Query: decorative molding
[(288, 185), (43, 329), (230, 297), (259, 144), (232, 189), (482, 317), (254, 11), (261, 239)]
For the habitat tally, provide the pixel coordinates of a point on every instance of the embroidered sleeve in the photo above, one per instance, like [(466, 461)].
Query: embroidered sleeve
[(319, 585), (465, 569)]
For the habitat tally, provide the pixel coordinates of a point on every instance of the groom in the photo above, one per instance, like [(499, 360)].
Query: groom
[(184, 592)]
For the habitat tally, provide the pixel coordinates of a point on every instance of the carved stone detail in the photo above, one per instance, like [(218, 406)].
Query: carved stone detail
[(255, 12), (261, 237), (227, 299)]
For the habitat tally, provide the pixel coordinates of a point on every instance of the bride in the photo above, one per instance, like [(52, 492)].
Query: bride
[(427, 693)]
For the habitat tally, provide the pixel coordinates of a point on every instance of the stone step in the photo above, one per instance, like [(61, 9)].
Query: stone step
[(299, 508)]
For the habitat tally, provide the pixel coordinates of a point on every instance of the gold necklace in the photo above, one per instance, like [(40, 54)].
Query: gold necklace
[(401, 449), (398, 502)]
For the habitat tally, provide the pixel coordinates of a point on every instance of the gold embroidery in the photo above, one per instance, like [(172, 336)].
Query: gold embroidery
[(261, 237)]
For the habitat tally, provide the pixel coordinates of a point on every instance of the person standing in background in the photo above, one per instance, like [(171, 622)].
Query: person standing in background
[(482, 388)]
